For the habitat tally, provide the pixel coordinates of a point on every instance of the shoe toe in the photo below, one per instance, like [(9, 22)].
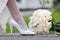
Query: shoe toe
[(31, 32)]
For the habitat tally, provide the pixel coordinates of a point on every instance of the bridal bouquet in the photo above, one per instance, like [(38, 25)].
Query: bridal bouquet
[(40, 21)]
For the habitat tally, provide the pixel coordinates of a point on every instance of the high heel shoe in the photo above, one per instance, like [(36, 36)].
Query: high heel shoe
[(13, 23)]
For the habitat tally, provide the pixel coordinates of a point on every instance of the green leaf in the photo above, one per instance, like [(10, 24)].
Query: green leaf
[(56, 16)]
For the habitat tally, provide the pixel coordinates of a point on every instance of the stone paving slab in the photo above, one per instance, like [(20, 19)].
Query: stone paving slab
[(35, 37)]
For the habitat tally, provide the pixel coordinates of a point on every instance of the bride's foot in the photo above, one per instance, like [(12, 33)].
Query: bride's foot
[(13, 23)]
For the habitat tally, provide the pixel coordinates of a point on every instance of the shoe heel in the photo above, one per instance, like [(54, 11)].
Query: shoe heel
[(11, 29)]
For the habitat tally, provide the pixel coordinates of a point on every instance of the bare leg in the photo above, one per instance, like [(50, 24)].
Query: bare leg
[(16, 13)]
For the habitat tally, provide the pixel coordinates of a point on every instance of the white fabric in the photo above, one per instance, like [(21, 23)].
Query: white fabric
[(4, 16), (2, 4)]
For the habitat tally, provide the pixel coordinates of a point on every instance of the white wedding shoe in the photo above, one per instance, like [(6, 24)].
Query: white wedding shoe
[(13, 23)]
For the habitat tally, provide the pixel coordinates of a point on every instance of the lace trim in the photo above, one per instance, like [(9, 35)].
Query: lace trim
[(2, 4)]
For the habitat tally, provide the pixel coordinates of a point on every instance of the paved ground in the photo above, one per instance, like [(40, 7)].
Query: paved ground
[(36, 37), (28, 38)]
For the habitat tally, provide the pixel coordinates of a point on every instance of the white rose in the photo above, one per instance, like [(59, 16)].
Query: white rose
[(40, 19)]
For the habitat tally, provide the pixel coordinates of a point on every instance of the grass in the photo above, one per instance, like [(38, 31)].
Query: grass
[(55, 15), (26, 18)]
